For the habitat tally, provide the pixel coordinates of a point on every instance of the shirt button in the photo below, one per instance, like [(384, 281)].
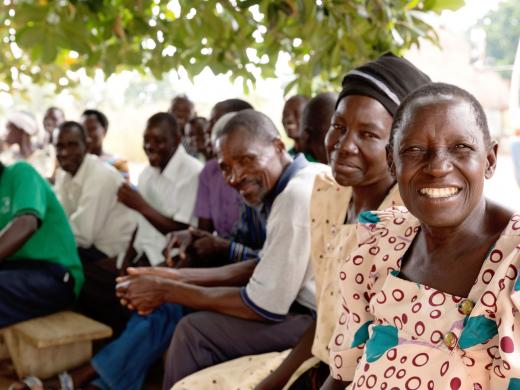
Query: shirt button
[(466, 306), (450, 340)]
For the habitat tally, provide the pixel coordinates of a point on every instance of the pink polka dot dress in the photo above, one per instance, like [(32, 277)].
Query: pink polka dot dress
[(395, 334)]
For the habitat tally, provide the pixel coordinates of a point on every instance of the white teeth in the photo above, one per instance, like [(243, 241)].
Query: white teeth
[(439, 192)]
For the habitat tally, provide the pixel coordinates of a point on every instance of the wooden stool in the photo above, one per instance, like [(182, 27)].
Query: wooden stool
[(46, 346)]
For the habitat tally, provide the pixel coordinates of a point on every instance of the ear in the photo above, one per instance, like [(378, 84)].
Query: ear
[(491, 160), (390, 160), (279, 145)]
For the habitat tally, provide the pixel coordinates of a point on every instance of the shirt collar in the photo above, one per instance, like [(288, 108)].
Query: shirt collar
[(292, 169), (172, 168), (79, 177)]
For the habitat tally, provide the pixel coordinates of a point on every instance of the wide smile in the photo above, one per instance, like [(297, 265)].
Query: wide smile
[(439, 193)]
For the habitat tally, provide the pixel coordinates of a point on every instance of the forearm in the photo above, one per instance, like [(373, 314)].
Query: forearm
[(300, 353), (225, 300), (236, 274), (16, 233), (159, 221)]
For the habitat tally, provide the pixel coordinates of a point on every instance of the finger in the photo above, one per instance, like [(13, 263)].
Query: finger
[(123, 286)]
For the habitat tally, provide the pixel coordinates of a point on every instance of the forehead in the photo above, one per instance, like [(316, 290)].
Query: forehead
[(70, 134), (361, 108), (240, 142), (440, 115), (293, 105), (159, 130), (53, 113), (181, 104), (90, 120)]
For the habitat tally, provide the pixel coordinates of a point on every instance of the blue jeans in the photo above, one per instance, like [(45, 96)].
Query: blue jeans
[(124, 363)]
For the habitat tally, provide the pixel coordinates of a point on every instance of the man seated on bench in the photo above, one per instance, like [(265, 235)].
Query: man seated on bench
[(40, 272), (263, 309), (87, 188)]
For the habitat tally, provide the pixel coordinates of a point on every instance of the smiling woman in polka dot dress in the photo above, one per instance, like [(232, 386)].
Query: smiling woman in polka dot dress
[(431, 296)]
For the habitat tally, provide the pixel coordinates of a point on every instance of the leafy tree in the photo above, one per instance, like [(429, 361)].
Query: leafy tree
[(46, 40), (502, 28)]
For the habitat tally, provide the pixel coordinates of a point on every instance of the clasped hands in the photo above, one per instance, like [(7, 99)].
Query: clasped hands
[(143, 289)]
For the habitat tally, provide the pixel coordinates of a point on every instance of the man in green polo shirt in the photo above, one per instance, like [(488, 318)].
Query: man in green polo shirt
[(40, 271)]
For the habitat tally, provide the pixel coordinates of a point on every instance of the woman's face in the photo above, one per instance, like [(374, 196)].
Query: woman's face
[(440, 158), (356, 141)]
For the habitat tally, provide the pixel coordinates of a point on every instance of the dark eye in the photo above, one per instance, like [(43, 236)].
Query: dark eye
[(463, 147), (369, 134), (337, 127)]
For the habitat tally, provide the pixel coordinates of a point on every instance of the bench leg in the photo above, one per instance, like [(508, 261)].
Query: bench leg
[(45, 362)]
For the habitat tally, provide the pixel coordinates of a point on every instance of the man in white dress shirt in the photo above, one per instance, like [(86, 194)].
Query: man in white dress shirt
[(87, 188)]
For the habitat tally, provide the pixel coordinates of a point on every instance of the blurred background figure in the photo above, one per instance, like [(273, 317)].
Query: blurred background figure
[(96, 125), (197, 138), (183, 109), (291, 116), (19, 144), (53, 117)]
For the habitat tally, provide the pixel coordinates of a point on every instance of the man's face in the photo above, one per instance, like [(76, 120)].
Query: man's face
[(70, 149), (251, 166), (182, 110), (159, 144), (196, 136), (291, 115), (95, 133), (52, 119)]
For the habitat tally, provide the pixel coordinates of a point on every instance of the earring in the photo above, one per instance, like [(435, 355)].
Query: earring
[(336, 146)]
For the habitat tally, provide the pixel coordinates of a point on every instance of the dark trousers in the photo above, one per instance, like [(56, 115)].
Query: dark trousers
[(90, 254), (33, 288), (204, 339), (98, 298)]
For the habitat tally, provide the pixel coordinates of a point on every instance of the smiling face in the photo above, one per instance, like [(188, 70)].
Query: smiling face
[(291, 115), (440, 158), (356, 141), (251, 166), (70, 149), (95, 133), (160, 144)]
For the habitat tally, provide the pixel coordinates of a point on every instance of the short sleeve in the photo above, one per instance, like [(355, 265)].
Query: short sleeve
[(29, 193)]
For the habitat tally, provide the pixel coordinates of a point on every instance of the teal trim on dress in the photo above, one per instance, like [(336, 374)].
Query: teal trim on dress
[(514, 384), (361, 335), (383, 338), (477, 330), (517, 284), (368, 217)]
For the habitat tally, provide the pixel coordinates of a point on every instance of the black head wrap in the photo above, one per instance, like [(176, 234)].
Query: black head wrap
[(389, 79)]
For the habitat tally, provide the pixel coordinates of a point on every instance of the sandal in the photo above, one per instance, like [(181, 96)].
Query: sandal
[(66, 381), (32, 382)]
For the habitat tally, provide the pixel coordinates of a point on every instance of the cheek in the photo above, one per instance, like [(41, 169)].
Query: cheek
[(374, 156)]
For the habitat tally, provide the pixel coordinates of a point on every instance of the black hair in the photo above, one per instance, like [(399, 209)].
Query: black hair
[(69, 125), (256, 124), (164, 117), (54, 108), (101, 118), (442, 91), (183, 97), (233, 105), (317, 114), (197, 119)]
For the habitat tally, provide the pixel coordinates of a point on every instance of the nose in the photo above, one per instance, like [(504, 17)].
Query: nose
[(234, 176), (439, 163), (347, 144)]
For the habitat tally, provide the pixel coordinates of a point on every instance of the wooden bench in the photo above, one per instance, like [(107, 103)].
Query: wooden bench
[(46, 346)]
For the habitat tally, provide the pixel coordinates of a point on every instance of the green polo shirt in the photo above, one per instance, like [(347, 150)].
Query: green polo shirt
[(24, 191)]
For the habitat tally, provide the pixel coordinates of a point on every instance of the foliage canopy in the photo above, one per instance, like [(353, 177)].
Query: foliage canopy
[(46, 40), (502, 28)]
